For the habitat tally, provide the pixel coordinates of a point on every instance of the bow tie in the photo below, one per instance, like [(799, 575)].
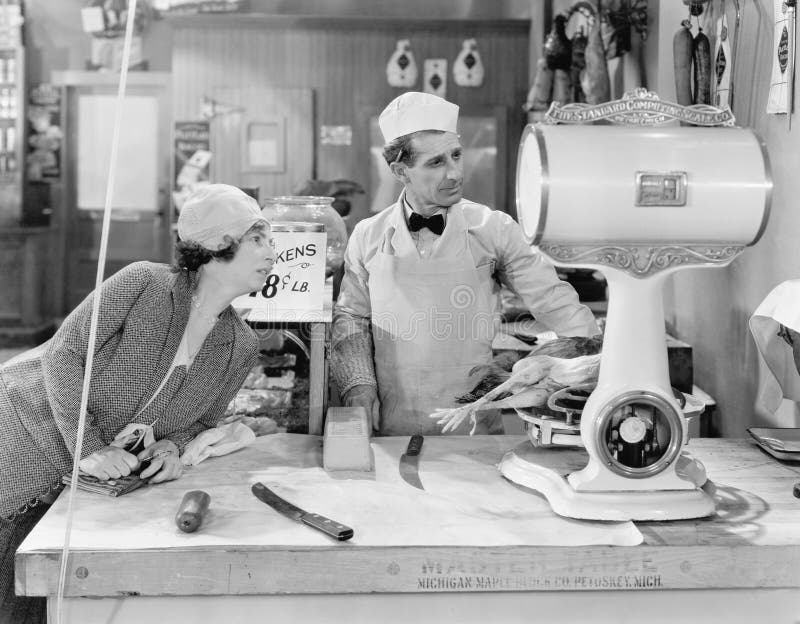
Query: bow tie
[(435, 223)]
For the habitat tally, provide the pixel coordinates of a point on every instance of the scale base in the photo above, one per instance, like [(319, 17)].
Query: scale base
[(550, 480)]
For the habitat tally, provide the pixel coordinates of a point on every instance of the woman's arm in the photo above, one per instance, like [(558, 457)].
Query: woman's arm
[(63, 362)]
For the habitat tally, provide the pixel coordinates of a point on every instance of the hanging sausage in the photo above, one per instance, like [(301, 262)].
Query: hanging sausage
[(701, 66), (557, 46), (595, 82), (682, 52), (578, 65), (692, 60)]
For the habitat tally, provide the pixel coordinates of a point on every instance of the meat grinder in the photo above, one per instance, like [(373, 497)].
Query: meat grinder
[(631, 189)]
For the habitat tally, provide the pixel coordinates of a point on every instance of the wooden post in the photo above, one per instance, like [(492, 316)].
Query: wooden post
[(317, 382)]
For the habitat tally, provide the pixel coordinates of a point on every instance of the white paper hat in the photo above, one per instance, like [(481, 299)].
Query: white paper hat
[(780, 307), (216, 211), (415, 111)]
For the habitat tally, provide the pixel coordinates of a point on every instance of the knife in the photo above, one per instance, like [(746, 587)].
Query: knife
[(409, 462), (315, 521)]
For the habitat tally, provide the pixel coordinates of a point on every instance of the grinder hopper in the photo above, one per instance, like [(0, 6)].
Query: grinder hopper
[(636, 199)]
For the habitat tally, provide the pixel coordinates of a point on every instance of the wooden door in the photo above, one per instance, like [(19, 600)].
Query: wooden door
[(263, 138), (140, 202)]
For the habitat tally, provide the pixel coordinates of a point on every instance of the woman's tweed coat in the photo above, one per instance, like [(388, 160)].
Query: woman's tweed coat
[(143, 314)]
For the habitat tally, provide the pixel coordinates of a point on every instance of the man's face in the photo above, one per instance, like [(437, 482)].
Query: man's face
[(437, 177)]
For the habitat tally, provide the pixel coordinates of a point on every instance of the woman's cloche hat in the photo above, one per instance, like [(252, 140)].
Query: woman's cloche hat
[(216, 213)]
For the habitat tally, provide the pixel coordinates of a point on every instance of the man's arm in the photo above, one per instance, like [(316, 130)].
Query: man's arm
[(551, 300), (352, 364), (351, 333)]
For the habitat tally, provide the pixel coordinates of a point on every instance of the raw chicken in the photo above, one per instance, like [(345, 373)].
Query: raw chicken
[(525, 373)]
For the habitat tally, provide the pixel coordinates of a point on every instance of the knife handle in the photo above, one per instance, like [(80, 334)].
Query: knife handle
[(414, 445), (328, 526)]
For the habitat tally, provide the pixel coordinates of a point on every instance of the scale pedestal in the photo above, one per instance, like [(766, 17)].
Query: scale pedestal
[(632, 427), (544, 470)]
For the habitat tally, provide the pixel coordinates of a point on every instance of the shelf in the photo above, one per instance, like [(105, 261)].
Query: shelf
[(13, 110), (343, 22), (77, 78)]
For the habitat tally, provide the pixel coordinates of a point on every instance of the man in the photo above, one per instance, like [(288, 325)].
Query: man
[(419, 301)]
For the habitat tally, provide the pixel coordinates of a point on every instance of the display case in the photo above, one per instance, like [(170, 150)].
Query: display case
[(12, 144), (26, 267)]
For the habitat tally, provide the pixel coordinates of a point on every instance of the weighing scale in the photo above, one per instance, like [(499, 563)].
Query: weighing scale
[(637, 189)]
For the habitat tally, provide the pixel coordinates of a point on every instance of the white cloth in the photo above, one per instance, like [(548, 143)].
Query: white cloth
[(415, 111), (220, 440), (780, 307)]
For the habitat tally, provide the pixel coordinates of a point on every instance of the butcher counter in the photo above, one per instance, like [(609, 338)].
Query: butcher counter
[(468, 547)]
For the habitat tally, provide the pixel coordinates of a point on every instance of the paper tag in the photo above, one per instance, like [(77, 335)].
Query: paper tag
[(294, 290), (722, 63), (779, 97), (435, 80)]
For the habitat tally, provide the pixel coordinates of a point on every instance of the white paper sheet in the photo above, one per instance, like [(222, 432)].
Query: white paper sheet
[(466, 502)]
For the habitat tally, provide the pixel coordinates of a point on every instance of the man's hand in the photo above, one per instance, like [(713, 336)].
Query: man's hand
[(110, 462), (365, 396), (164, 462)]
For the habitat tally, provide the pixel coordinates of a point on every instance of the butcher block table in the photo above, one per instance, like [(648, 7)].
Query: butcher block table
[(469, 547)]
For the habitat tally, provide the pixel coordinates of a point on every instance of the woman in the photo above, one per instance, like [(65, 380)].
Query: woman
[(170, 354)]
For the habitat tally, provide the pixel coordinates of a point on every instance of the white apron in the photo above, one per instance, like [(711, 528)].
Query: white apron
[(432, 321)]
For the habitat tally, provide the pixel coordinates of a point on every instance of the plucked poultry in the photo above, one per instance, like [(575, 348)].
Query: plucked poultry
[(529, 381), (499, 369)]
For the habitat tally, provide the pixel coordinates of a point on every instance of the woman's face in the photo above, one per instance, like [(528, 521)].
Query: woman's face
[(253, 260)]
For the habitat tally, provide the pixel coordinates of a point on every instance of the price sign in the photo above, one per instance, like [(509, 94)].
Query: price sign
[(294, 290)]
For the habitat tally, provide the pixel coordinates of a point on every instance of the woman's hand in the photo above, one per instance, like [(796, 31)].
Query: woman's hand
[(165, 464), (110, 462)]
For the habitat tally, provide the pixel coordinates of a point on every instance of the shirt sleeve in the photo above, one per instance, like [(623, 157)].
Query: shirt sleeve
[(351, 330), (530, 275), (64, 360)]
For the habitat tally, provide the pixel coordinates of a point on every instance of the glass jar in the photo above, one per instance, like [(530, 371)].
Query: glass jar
[(312, 209)]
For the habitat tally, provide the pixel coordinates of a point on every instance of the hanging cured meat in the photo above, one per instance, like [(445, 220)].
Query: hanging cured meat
[(682, 52), (701, 66), (557, 46), (579, 42), (595, 82)]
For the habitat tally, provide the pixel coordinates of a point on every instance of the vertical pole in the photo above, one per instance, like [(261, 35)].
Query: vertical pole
[(316, 378), (541, 16)]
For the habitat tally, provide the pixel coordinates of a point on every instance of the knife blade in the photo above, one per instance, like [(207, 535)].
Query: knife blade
[(409, 462), (315, 521)]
